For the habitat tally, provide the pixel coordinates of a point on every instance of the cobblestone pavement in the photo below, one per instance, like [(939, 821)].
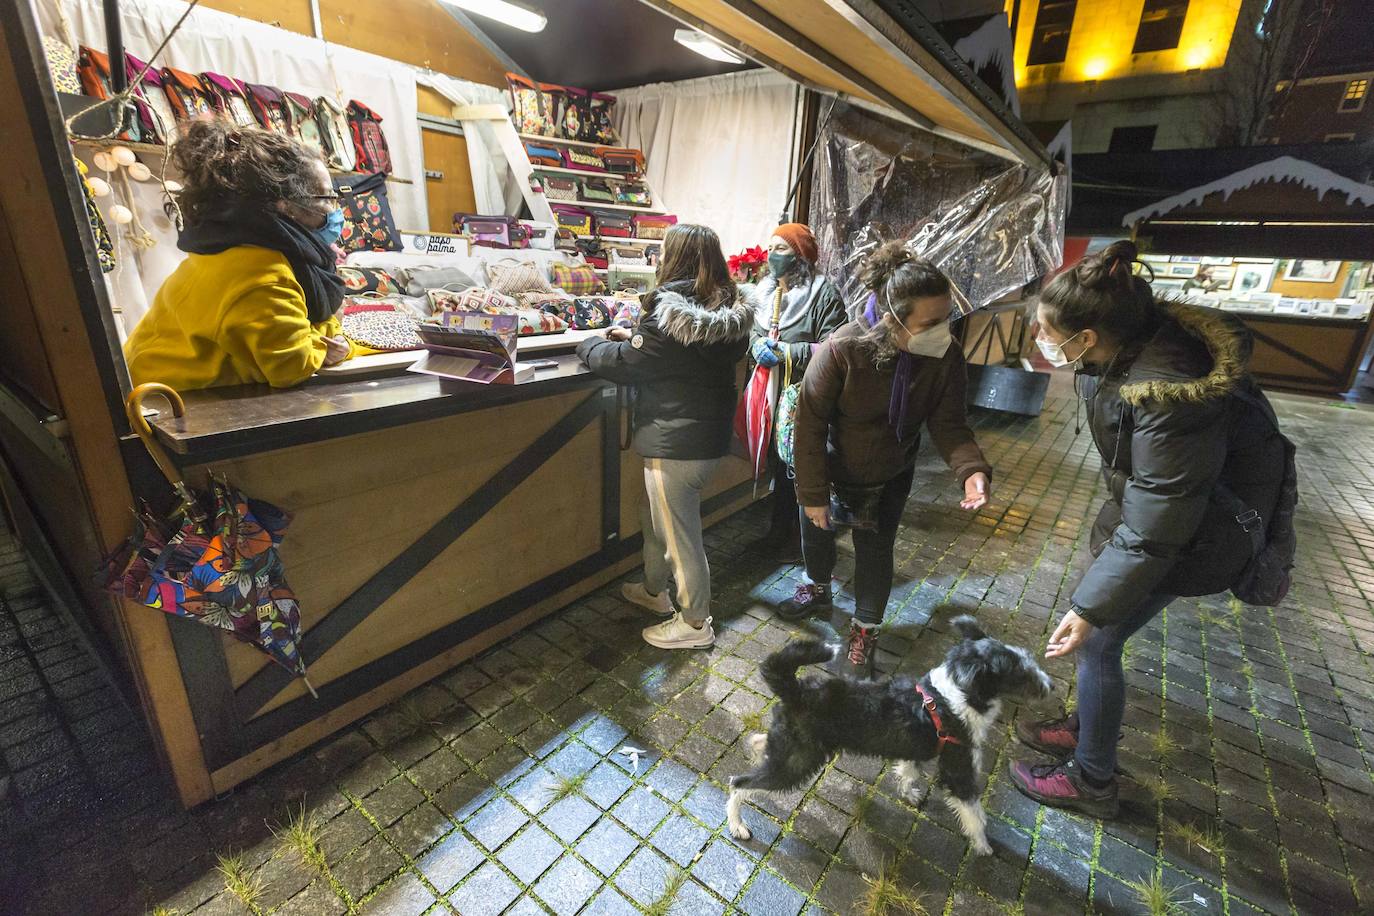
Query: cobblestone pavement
[(499, 787)]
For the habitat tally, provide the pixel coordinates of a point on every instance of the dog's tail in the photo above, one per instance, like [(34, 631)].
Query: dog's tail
[(779, 670)]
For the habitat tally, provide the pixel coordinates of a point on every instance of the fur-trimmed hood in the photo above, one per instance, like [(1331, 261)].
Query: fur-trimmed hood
[(1197, 354), (687, 322)]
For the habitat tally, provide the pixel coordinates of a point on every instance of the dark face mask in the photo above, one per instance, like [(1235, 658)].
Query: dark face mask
[(779, 264)]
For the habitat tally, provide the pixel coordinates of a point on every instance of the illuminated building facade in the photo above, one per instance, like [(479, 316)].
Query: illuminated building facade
[(1132, 74)]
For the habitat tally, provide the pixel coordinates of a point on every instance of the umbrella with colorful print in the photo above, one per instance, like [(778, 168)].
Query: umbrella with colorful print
[(220, 567)]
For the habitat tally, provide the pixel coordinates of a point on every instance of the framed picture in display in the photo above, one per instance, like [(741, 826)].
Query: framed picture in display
[(1253, 277), (1182, 270), (1224, 262), (1304, 271), (1155, 258), (1186, 259)]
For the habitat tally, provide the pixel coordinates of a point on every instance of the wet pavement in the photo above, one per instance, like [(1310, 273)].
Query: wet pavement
[(501, 786)]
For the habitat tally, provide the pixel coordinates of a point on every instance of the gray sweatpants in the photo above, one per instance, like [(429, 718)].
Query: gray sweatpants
[(671, 518)]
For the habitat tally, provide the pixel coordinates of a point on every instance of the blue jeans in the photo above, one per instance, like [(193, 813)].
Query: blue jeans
[(1102, 688)]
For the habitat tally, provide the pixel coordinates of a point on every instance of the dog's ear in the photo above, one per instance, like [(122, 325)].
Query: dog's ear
[(967, 627)]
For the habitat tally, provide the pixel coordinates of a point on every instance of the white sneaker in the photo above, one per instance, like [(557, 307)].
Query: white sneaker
[(636, 593), (677, 633)]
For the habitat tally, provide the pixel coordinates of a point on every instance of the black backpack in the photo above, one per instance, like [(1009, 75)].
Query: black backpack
[(1266, 578)]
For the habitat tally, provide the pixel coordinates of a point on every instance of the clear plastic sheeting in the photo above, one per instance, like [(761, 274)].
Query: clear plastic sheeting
[(990, 225)]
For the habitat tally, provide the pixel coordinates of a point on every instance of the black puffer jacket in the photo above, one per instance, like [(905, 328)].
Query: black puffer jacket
[(1170, 429), (682, 361)]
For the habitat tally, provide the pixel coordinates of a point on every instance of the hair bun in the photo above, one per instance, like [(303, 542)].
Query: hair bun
[(1109, 267), (883, 263)]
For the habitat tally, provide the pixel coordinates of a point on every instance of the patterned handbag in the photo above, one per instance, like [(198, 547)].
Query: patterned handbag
[(368, 224), (335, 135), (576, 115), (602, 126), (614, 226), (513, 277), (362, 281), (577, 279), (582, 160), (597, 190), (61, 65), (476, 299), (365, 125), (573, 218), (229, 98), (379, 324), (559, 188), (486, 231), (620, 160), (653, 225), (581, 314), (160, 121), (543, 155), (104, 248), (300, 112), (187, 96), (530, 108), (270, 106), (634, 194)]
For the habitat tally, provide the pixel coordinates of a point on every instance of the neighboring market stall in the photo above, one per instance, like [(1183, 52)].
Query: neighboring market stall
[(1284, 244), (431, 516)]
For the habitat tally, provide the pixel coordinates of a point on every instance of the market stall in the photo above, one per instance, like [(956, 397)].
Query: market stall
[(1283, 244), (431, 516)]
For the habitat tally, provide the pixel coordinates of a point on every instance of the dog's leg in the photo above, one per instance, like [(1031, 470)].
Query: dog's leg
[(758, 746), (972, 821), (914, 781), (738, 830)]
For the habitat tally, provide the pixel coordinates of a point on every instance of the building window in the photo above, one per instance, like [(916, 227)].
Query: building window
[(1355, 92), (1161, 23), (1050, 40), (1132, 139)]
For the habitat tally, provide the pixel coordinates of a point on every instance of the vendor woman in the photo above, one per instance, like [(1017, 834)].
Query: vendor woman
[(254, 300), (795, 308)]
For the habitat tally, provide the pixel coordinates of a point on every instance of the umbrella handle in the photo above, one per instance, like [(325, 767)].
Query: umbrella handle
[(133, 409)]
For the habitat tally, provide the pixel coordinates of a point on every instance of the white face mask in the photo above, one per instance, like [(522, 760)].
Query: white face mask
[(1054, 352), (932, 342)]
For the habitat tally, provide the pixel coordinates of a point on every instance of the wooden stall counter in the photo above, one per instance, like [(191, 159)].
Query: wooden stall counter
[(1299, 353), (430, 519)]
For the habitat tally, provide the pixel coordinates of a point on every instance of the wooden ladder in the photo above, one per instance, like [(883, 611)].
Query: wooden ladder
[(473, 116)]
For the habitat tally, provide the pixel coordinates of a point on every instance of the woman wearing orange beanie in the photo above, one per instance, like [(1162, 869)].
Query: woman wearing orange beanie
[(795, 308)]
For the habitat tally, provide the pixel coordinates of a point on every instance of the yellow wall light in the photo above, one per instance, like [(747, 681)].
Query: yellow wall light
[(1096, 68)]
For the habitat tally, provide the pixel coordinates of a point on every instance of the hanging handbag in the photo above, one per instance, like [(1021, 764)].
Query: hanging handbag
[(369, 143), (93, 70), (530, 109), (785, 423), (104, 248), (160, 121), (61, 65), (305, 127), (270, 106), (576, 120), (229, 98), (368, 223), (335, 135), (602, 119), (186, 95)]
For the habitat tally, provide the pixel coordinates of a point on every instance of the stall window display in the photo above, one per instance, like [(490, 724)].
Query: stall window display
[(1279, 286)]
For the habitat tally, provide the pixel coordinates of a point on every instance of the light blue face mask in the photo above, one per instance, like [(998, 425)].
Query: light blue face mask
[(333, 227)]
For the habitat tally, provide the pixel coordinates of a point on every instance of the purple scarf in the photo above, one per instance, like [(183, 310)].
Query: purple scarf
[(901, 379)]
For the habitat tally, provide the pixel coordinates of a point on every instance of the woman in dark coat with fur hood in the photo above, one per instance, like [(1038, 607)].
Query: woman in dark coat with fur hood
[(1183, 432), (682, 360)]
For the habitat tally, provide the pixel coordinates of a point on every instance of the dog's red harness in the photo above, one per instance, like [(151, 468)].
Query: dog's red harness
[(941, 735)]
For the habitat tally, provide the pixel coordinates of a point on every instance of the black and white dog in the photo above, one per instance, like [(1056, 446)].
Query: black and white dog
[(935, 727)]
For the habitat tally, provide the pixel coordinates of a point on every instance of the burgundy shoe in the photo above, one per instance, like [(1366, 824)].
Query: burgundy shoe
[(805, 601), (855, 658), (1061, 785), (1055, 737)]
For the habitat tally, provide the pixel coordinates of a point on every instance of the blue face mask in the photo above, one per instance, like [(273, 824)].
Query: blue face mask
[(333, 227)]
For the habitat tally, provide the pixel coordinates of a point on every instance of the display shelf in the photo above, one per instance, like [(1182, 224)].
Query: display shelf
[(596, 205), (618, 241), (561, 142), (586, 173), (158, 150)]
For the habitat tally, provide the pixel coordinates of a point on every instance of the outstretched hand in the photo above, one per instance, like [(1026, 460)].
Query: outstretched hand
[(975, 491), (1068, 636)]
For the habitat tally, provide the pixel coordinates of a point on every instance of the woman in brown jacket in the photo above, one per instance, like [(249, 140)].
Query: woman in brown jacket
[(863, 400)]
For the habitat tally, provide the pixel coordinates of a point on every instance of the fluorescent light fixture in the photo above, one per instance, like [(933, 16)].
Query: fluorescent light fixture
[(503, 11), (706, 46)]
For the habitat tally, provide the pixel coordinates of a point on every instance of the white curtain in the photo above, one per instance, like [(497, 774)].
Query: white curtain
[(258, 53), (719, 149)]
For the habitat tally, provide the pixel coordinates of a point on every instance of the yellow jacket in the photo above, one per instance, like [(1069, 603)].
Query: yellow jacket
[(228, 319)]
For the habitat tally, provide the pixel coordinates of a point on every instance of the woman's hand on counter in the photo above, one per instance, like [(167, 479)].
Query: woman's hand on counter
[(618, 333), (336, 350)]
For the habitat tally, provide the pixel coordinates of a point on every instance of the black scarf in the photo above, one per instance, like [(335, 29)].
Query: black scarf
[(311, 260)]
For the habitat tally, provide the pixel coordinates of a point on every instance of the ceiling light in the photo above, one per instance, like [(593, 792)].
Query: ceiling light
[(705, 46), (505, 12)]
